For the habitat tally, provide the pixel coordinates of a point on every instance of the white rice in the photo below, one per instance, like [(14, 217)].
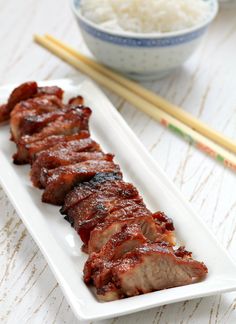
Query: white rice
[(145, 16)]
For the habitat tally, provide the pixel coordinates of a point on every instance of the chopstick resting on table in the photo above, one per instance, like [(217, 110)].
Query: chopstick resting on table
[(147, 102), (153, 98)]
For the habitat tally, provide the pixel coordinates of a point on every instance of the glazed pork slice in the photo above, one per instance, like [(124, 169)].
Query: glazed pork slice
[(97, 269), (139, 215), (92, 193), (80, 144), (48, 160), (26, 91), (151, 267), (58, 182), (72, 122), (51, 91), (27, 153), (91, 202), (63, 154), (23, 92), (34, 123), (76, 101), (100, 205), (91, 212), (27, 111), (99, 208), (109, 218), (101, 181), (165, 227)]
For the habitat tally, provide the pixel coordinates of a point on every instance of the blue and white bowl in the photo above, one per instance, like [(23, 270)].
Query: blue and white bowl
[(142, 56)]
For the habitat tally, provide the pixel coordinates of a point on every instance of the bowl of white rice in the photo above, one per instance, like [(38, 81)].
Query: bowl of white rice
[(143, 39)]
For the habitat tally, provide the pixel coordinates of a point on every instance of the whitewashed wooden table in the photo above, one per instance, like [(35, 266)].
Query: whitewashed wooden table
[(205, 86)]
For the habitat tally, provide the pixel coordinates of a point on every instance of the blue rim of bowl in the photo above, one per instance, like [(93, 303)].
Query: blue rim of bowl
[(144, 40)]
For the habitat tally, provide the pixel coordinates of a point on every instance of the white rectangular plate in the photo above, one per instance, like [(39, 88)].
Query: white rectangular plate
[(61, 245)]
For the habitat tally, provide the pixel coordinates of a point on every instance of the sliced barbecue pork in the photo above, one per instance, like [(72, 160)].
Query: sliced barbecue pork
[(151, 267), (95, 232), (58, 182), (131, 250), (103, 231), (35, 121), (26, 112), (51, 91), (98, 267), (23, 92), (101, 181), (63, 154), (72, 122), (74, 144), (26, 91), (165, 226), (27, 153), (76, 101), (91, 202), (101, 186), (48, 160), (67, 122), (104, 204), (95, 209)]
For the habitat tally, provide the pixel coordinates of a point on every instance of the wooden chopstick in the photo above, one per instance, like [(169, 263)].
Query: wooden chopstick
[(165, 119), (153, 98)]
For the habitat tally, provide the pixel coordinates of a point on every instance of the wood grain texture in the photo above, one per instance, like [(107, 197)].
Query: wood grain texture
[(205, 87)]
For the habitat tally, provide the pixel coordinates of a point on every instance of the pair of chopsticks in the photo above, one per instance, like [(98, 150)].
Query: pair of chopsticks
[(196, 132)]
